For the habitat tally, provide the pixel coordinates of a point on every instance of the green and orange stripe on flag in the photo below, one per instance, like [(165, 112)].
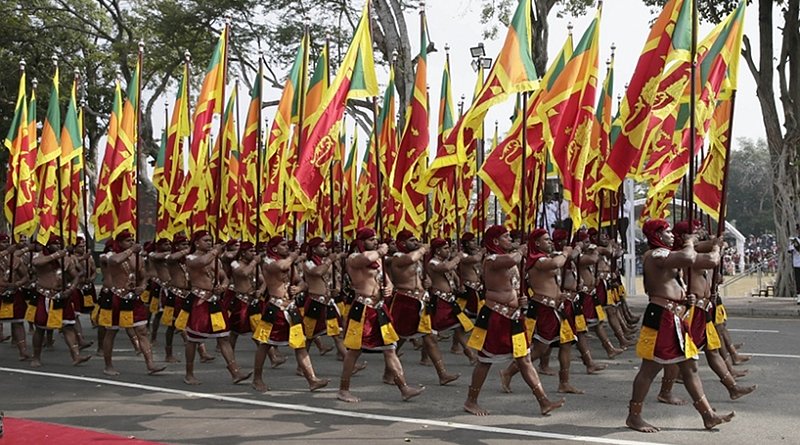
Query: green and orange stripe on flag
[(47, 169), (104, 214)]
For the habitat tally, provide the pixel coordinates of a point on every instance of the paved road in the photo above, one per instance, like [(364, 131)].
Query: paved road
[(163, 409)]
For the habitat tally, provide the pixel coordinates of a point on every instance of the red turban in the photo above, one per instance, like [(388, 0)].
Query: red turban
[(272, 244), (122, 236), (533, 250), (467, 237), (162, 242), (179, 238), (652, 229), (593, 235), (493, 233), (560, 238), (292, 244), (149, 247), (54, 239), (245, 245), (310, 245), (402, 238), (437, 243), (362, 235), (199, 234), (682, 228), (231, 242)]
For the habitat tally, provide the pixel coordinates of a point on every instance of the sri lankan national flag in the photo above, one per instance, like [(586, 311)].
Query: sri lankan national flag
[(387, 147), (71, 167), (710, 179), (569, 116), (512, 72), (18, 143), (502, 169), (251, 160), (667, 49), (718, 57), (367, 187), (104, 214), (443, 214), (47, 168), (601, 130), (224, 168), (320, 223), (354, 80), (279, 155), (123, 163), (412, 156), (194, 204), (349, 195), (170, 162)]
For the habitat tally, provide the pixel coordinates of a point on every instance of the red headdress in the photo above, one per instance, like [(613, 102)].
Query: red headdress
[(493, 233), (178, 239), (310, 245), (196, 236), (149, 247), (362, 235), (533, 250), (560, 238), (437, 243), (652, 230), (4, 237), (244, 246), (682, 228), (594, 235), (402, 238), (272, 244)]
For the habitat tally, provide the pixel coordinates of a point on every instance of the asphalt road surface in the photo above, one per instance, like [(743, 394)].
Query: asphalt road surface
[(163, 409)]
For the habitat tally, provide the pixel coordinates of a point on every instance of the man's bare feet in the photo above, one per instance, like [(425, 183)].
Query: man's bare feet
[(613, 352), (172, 359), (325, 350), (566, 388), (426, 361), (505, 383), (359, 367), (191, 380), (99, 353), (671, 399), (4, 338), (279, 360), (317, 383), (712, 419), (738, 359), (35, 363), (109, 371), (456, 349), (240, 377), (474, 408), (546, 407), (738, 345), (739, 373), (260, 386), (155, 370), (596, 368), (25, 357), (86, 344), (388, 379), (635, 422), (347, 396), (207, 358), (80, 359), (546, 370), (448, 378), (738, 391), (409, 393)]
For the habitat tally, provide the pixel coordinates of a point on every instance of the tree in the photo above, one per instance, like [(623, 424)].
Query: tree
[(750, 195)]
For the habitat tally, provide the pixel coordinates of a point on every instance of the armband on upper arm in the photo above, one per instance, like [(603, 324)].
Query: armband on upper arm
[(660, 253)]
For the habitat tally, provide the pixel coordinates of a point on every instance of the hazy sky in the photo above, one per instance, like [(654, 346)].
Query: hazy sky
[(456, 23)]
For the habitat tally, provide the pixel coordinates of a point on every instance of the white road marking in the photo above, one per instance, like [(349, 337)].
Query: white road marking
[(759, 331), (336, 412), (772, 355)]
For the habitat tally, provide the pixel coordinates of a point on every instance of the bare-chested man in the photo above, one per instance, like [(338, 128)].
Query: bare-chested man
[(470, 273), (280, 322), (448, 315), (321, 316), (499, 333), (664, 338), (609, 252), (84, 297), (701, 326), (51, 297), (555, 314), (128, 311), (244, 299), (14, 276), (369, 326), (411, 307), (590, 304), (207, 319), (159, 281)]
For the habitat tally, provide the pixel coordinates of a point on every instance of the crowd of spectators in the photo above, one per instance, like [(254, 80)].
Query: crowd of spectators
[(758, 251)]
